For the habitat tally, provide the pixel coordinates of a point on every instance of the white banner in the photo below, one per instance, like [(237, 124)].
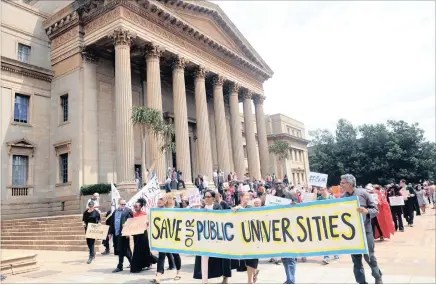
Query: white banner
[(115, 196), (150, 193), (275, 201), (308, 197), (318, 179)]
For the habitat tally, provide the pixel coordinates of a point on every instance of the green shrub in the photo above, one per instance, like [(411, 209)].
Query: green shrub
[(101, 188)]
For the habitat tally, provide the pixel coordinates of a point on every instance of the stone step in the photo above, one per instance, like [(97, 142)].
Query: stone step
[(36, 236), (47, 247), (17, 263), (43, 225), (37, 229), (45, 218), (43, 233), (44, 242), (47, 213)]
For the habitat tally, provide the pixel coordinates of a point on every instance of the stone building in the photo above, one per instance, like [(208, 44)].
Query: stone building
[(72, 70)]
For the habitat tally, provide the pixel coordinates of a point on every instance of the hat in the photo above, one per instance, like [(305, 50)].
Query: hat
[(369, 187)]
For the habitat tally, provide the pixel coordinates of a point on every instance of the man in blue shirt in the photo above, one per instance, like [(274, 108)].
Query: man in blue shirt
[(121, 243), (368, 209)]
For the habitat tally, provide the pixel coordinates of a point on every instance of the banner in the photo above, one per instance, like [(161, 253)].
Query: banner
[(308, 197), (115, 196), (135, 226), (327, 227), (97, 231), (271, 200), (150, 193), (318, 179), (396, 201)]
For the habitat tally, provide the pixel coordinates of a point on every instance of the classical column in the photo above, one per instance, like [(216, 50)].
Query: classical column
[(252, 153), (306, 165), (123, 107), (261, 134), (203, 135), (183, 155), (154, 100), (222, 143), (235, 122)]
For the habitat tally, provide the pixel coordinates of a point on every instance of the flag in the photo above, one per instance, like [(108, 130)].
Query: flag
[(150, 193)]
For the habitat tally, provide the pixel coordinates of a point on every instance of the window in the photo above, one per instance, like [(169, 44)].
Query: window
[(21, 108), (245, 151), (23, 53), (64, 107), (20, 167), (63, 168)]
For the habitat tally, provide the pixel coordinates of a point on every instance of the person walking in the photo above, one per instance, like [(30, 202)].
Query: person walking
[(91, 215), (368, 209), (122, 244)]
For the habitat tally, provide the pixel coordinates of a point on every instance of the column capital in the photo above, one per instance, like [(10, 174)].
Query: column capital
[(153, 50), (218, 80), (179, 62), (258, 100), (234, 88), (121, 36), (247, 94), (201, 72)]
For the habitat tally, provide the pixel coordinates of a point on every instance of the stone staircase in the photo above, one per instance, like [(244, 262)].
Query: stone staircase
[(17, 263), (61, 233)]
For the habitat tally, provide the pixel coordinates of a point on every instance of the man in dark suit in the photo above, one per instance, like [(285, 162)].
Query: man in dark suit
[(121, 243)]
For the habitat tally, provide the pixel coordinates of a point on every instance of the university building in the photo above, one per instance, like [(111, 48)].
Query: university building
[(71, 71)]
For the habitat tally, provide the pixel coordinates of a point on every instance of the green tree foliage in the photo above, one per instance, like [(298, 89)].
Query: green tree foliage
[(380, 153)]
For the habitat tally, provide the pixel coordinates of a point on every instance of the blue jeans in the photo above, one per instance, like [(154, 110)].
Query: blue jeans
[(290, 264), (359, 271)]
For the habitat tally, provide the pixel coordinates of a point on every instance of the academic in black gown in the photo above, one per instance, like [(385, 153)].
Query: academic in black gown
[(142, 256)]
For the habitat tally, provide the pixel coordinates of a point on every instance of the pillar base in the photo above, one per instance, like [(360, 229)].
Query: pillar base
[(127, 190)]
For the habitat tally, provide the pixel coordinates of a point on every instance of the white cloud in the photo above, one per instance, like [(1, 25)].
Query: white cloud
[(363, 61)]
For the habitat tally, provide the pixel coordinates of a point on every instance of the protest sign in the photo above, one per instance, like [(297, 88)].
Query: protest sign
[(97, 231), (375, 198), (245, 188), (135, 226), (308, 197), (150, 193), (194, 198), (115, 196), (317, 179), (271, 200), (396, 201), (320, 228)]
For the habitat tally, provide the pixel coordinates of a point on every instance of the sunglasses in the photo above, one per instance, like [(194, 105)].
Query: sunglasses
[(123, 204), (207, 196)]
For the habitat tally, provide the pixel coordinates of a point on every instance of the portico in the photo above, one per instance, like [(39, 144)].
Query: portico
[(180, 57)]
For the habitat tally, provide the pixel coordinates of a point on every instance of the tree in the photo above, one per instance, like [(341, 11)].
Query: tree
[(281, 149), (380, 153), (151, 122)]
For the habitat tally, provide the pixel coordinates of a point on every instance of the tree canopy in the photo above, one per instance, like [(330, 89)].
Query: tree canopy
[(379, 153)]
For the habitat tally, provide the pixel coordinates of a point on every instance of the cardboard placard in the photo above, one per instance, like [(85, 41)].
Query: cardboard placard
[(135, 226), (396, 201), (97, 231), (194, 198), (308, 197), (275, 201), (318, 179)]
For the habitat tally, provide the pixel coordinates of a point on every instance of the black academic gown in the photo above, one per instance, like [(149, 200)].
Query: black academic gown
[(217, 267), (142, 256)]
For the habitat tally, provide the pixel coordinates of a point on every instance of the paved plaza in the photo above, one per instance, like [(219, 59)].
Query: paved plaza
[(408, 258)]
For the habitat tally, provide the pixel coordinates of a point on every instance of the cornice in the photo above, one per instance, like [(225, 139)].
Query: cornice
[(26, 69), (26, 8), (84, 11), (288, 137)]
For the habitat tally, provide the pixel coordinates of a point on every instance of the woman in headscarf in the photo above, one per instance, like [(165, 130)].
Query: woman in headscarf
[(207, 267), (142, 256), (91, 215), (249, 265)]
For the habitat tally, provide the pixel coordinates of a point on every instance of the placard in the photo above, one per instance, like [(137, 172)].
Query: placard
[(326, 227), (318, 179), (396, 201), (307, 197), (97, 231), (194, 198), (135, 226), (271, 200)]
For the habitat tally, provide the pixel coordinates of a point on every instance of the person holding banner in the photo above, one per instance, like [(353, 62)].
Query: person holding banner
[(396, 210), (368, 210), (249, 265), (207, 267), (91, 215), (169, 203), (142, 256)]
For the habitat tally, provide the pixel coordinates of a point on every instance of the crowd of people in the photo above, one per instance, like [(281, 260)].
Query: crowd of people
[(381, 220)]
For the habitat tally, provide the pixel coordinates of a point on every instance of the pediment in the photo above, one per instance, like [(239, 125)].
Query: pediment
[(209, 28), (21, 143)]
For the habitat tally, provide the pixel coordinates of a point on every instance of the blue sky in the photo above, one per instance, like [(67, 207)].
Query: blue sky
[(364, 61)]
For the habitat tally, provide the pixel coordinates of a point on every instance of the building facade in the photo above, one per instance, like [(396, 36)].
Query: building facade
[(73, 70)]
